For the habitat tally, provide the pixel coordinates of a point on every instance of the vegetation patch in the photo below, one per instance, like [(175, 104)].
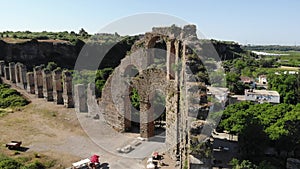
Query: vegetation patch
[(25, 162), (10, 98), (263, 126)]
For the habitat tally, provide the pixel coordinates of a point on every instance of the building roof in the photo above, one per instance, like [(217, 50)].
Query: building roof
[(239, 97), (262, 92), (246, 79), (262, 76)]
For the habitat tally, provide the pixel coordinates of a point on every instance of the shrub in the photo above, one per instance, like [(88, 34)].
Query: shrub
[(8, 163), (34, 165), (10, 97)]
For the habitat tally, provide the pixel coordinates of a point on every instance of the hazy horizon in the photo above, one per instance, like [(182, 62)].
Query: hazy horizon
[(255, 22)]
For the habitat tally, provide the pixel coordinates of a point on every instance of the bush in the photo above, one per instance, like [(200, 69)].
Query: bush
[(10, 97), (34, 165), (8, 163)]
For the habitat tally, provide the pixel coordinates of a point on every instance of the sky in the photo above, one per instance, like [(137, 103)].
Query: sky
[(259, 22)]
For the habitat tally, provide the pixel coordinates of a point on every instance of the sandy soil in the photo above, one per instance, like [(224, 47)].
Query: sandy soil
[(42, 123), (55, 133)]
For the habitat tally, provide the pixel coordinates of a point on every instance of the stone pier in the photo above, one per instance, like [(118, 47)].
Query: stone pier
[(67, 87), (12, 73), (90, 92), (17, 74), (48, 85), (23, 79), (80, 98), (30, 80), (6, 73), (38, 81), (2, 70), (146, 119), (58, 86)]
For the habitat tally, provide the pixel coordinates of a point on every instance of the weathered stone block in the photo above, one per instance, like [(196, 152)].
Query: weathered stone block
[(23, 79), (48, 85), (58, 86), (67, 87), (146, 122), (91, 91), (30, 80), (17, 74), (38, 81), (2, 65), (6, 73), (12, 74)]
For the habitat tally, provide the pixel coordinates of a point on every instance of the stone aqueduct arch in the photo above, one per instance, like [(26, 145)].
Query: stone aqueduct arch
[(171, 80), (117, 104)]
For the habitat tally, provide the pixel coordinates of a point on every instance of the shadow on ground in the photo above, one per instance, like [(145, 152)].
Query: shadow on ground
[(104, 166)]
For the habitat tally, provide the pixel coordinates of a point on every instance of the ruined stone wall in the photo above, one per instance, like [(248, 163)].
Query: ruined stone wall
[(41, 82), (111, 114), (185, 97), (184, 101)]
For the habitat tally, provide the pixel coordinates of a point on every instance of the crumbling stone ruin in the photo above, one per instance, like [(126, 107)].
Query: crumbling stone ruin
[(185, 96), (57, 87), (42, 82)]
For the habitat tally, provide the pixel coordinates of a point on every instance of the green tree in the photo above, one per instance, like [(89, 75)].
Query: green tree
[(234, 84), (245, 164), (83, 33), (287, 86), (51, 66)]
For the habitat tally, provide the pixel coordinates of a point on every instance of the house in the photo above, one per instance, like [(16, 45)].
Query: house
[(246, 80), (262, 96)]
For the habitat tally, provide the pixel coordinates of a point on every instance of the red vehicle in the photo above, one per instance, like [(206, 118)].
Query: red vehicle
[(14, 145)]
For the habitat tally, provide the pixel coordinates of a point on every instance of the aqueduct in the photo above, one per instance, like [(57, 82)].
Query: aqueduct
[(172, 77), (162, 59)]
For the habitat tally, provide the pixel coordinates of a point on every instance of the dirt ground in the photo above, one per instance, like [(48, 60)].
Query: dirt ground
[(41, 122), (54, 132)]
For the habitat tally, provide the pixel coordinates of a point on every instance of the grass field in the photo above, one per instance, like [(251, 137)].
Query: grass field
[(290, 58)]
